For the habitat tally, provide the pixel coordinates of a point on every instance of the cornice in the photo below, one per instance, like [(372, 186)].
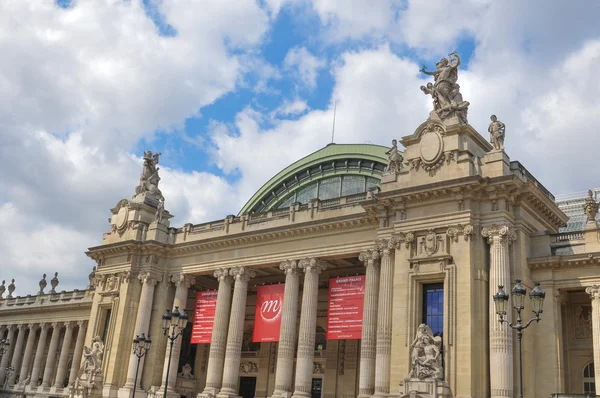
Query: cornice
[(285, 232), (510, 187), (565, 262)]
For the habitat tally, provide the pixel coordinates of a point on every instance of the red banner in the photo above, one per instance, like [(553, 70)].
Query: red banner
[(346, 300), (267, 319), (204, 317)]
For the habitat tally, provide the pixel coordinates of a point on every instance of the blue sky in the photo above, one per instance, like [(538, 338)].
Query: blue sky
[(232, 91)]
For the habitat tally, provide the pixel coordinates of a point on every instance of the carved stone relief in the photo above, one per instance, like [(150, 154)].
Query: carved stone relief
[(583, 321)]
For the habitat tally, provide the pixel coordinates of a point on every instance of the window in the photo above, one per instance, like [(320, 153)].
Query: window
[(433, 307), (589, 383), (305, 194), (329, 188), (106, 325), (352, 185)]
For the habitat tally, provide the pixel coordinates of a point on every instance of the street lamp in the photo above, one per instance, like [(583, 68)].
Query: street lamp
[(174, 321), (4, 344), (7, 374), (518, 293), (141, 345)]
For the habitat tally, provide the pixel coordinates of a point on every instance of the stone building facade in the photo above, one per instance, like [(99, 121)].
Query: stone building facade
[(435, 229)]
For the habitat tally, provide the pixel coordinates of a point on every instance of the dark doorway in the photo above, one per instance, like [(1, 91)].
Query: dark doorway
[(317, 386), (247, 387)]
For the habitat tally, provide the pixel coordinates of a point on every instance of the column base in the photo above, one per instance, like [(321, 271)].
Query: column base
[(171, 393), (209, 392), (228, 393), (301, 394), (364, 395), (281, 394), (126, 390)]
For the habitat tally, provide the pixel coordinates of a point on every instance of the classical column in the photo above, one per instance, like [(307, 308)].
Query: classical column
[(64, 356), (235, 334), (17, 354), (39, 356), (49, 369), (7, 355), (368, 344), (78, 351), (594, 292), (182, 283), (287, 330), (142, 324), (308, 325), (383, 347), (24, 373), (501, 344), (218, 341)]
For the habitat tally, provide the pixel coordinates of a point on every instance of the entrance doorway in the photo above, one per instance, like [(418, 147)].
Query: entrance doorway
[(316, 388), (247, 387)]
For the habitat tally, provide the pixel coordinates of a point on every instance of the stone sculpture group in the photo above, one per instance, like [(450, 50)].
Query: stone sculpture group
[(426, 358), (149, 178), (89, 376), (445, 91)]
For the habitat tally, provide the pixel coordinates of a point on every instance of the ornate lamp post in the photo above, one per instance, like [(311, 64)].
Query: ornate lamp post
[(4, 344), (174, 322), (518, 293), (141, 345), (7, 373)]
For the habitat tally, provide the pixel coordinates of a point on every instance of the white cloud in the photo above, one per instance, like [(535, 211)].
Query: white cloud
[(291, 108), (80, 87), (374, 104), (305, 64)]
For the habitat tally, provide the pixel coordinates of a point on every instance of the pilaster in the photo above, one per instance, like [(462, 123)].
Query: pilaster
[(39, 356), (236, 331), (218, 342), (594, 292), (501, 341), (308, 323), (17, 354), (368, 346), (287, 330), (384, 319)]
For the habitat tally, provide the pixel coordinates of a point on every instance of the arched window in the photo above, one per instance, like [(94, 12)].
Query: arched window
[(589, 383)]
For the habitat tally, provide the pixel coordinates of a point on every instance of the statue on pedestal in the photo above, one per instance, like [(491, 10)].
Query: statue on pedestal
[(426, 378), (447, 99), (394, 159), (43, 284), (149, 178), (89, 376), (426, 356), (496, 130)]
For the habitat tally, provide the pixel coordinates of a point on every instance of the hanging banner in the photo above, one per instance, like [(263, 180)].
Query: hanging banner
[(267, 318), (204, 317), (345, 313)]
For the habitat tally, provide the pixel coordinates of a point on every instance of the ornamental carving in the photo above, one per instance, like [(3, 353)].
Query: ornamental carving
[(583, 321), (431, 243), (502, 233), (455, 232), (318, 368), (249, 367), (242, 273), (591, 207), (313, 265)]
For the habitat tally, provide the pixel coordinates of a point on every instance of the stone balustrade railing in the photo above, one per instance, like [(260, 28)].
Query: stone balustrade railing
[(567, 236)]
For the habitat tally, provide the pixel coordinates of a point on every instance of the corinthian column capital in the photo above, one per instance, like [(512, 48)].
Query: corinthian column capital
[(312, 265), (149, 278), (500, 232), (222, 274), (242, 273), (289, 266), (184, 280), (593, 291), (369, 256)]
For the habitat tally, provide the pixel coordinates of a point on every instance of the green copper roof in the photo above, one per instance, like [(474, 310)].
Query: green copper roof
[(373, 155)]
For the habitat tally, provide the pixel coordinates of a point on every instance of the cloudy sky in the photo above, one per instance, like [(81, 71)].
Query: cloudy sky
[(232, 91)]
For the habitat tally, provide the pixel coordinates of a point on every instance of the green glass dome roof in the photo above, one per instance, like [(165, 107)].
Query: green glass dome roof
[(333, 171)]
